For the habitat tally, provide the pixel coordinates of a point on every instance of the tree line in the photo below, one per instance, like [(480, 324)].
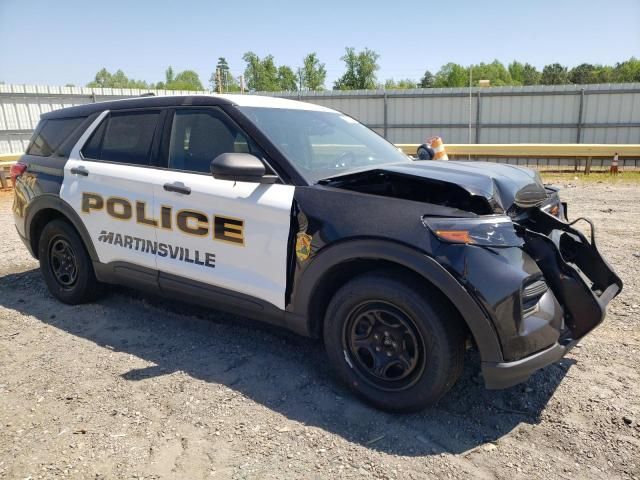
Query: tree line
[(360, 73)]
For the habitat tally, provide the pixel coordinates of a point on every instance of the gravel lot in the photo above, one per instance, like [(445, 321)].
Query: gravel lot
[(138, 387)]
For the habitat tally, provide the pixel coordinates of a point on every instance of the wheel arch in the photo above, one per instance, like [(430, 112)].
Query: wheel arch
[(336, 264), (46, 208)]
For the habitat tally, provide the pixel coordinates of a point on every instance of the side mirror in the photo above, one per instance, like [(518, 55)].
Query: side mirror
[(240, 167)]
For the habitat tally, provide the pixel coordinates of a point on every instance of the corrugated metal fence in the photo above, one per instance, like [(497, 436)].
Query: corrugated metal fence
[(539, 114), (536, 114)]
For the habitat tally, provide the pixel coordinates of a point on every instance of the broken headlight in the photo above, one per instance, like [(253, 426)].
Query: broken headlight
[(486, 231)]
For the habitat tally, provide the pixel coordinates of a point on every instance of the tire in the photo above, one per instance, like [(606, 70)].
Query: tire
[(422, 332), (66, 265)]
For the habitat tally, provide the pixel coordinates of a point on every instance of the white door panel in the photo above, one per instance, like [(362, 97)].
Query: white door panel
[(257, 265), (120, 183)]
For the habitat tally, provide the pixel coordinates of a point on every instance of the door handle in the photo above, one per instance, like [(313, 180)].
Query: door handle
[(177, 187), (80, 171)]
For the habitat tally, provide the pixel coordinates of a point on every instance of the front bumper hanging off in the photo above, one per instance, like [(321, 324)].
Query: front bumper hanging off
[(581, 280)]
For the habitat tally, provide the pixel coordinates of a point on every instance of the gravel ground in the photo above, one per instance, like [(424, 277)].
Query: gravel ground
[(138, 387)]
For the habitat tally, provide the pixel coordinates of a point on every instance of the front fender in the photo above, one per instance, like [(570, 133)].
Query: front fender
[(375, 249)]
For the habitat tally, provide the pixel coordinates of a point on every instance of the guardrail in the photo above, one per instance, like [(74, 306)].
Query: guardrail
[(576, 151), (532, 150)]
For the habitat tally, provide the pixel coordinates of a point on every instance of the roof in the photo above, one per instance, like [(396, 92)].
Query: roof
[(184, 100)]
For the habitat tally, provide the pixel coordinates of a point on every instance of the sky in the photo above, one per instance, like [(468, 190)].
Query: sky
[(57, 42)]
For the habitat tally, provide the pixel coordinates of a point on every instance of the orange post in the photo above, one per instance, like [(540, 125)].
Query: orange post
[(614, 165), (438, 148)]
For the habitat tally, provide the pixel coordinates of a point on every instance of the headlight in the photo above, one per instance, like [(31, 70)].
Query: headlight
[(487, 231)]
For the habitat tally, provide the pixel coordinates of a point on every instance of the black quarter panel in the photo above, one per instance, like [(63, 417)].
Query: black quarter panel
[(44, 175)]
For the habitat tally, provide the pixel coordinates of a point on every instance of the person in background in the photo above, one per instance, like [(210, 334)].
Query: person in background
[(614, 164)]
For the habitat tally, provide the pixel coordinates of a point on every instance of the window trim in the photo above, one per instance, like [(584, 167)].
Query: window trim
[(164, 149), (151, 162)]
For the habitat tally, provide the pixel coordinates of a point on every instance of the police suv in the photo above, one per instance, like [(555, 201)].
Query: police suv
[(298, 215)]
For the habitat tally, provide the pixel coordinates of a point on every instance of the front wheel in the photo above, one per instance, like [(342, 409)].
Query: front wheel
[(397, 346)]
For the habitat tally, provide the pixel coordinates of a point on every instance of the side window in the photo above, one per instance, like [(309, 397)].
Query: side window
[(52, 135), (92, 147), (123, 138), (198, 136)]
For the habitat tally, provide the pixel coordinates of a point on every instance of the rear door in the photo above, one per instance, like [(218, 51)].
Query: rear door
[(108, 180), (231, 235)]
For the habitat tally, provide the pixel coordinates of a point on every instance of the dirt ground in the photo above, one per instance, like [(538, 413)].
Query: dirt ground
[(139, 387)]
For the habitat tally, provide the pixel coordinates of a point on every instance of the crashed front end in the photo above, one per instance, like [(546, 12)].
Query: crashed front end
[(507, 240), (544, 284)]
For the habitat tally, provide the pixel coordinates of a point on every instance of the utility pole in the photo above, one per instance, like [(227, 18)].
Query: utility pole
[(241, 83), (470, 103), (218, 81)]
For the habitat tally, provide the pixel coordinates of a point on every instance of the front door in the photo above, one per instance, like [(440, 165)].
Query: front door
[(232, 235)]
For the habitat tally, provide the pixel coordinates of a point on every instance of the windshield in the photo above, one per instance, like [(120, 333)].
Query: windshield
[(323, 144)]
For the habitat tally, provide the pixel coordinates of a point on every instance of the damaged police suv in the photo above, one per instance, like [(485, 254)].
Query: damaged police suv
[(300, 216)]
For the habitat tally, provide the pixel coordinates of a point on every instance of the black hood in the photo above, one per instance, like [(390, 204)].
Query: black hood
[(501, 185)]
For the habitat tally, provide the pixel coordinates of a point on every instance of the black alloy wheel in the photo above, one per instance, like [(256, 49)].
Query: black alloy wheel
[(63, 263), (384, 344), (66, 265), (394, 340)]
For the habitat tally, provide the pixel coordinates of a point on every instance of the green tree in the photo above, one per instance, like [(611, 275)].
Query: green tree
[(403, 84), (516, 70), (101, 80), (168, 75), (626, 72), (185, 80), (287, 80), (360, 71), (530, 75), (427, 80), (523, 74), (603, 74), (105, 79), (583, 74), (495, 72), (312, 74), (554, 74), (261, 75), (451, 75)]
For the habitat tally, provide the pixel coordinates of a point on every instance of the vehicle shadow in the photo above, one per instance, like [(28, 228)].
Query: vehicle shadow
[(284, 372)]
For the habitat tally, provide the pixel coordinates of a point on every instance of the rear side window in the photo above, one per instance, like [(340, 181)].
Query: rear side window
[(52, 134), (123, 138)]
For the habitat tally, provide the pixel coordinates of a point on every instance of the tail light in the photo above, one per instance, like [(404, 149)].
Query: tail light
[(17, 169)]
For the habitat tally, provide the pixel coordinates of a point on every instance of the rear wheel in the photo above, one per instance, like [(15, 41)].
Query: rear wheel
[(66, 265), (397, 346)]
